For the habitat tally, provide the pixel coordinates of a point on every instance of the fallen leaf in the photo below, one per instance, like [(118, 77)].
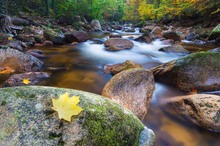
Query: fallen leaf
[(9, 38), (66, 106), (26, 81)]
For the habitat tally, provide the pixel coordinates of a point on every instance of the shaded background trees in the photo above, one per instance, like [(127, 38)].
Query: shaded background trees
[(114, 9)]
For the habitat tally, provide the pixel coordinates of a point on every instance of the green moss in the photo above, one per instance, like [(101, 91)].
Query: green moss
[(204, 58), (110, 127), (104, 122)]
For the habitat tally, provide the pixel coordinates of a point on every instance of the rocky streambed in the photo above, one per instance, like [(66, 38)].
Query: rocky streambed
[(122, 65)]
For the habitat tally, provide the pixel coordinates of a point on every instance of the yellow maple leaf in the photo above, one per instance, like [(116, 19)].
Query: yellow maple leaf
[(9, 38), (66, 106), (26, 81)]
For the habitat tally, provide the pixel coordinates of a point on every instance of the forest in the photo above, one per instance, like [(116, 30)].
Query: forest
[(115, 10), (110, 72)]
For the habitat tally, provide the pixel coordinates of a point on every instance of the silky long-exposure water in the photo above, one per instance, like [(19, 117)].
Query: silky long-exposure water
[(81, 67)]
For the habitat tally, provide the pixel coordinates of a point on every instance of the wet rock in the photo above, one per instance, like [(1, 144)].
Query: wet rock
[(156, 32), (176, 48), (144, 38), (129, 30), (198, 71), (78, 36), (117, 27), (168, 42), (102, 121), (19, 61), (55, 36), (18, 45), (215, 32), (97, 41), (131, 88), (199, 42), (171, 35), (115, 35), (38, 39), (35, 78), (117, 44), (191, 37), (4, 38), (20, 21), (47, 43), (217, 41), (116, 68), (36, 53), (6, 70), (216, 50), (200, 109), (96, 26)]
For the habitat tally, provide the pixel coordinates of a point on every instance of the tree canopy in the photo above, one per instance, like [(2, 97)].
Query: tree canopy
[(114, 9)]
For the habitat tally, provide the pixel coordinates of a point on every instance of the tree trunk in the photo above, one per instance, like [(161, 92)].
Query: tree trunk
[(47, 3)]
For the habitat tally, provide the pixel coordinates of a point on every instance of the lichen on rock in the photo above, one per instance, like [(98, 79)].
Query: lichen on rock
[(28, 119)]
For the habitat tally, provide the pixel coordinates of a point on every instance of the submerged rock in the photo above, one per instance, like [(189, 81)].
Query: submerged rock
[(200, 109), (19, 61), (198, 71), (117, 44), (26, 119), (131, 88), (35, 78), (116, 68)]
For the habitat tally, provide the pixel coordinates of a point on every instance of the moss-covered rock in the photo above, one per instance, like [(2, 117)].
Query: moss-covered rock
[(56, 36), (198, 71), (26, 120), (215, 32)]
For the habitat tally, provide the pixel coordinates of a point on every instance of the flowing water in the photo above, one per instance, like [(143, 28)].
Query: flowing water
[(81, 67)]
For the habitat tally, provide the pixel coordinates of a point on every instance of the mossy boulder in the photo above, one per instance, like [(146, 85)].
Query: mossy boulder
[(198, 71), (215, 32), (56, 36), (26, 120)]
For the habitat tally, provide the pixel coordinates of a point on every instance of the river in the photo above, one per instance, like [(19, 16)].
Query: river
[(81, 67)]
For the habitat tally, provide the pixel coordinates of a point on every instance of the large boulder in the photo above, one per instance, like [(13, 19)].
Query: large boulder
[(96, 26), (27, 118), (198, 71), (19, 61), (35, 78), (56, 36), (116, 68), (78, 36), (131, 88), (200, 109), (117, 44), (215, 33)]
